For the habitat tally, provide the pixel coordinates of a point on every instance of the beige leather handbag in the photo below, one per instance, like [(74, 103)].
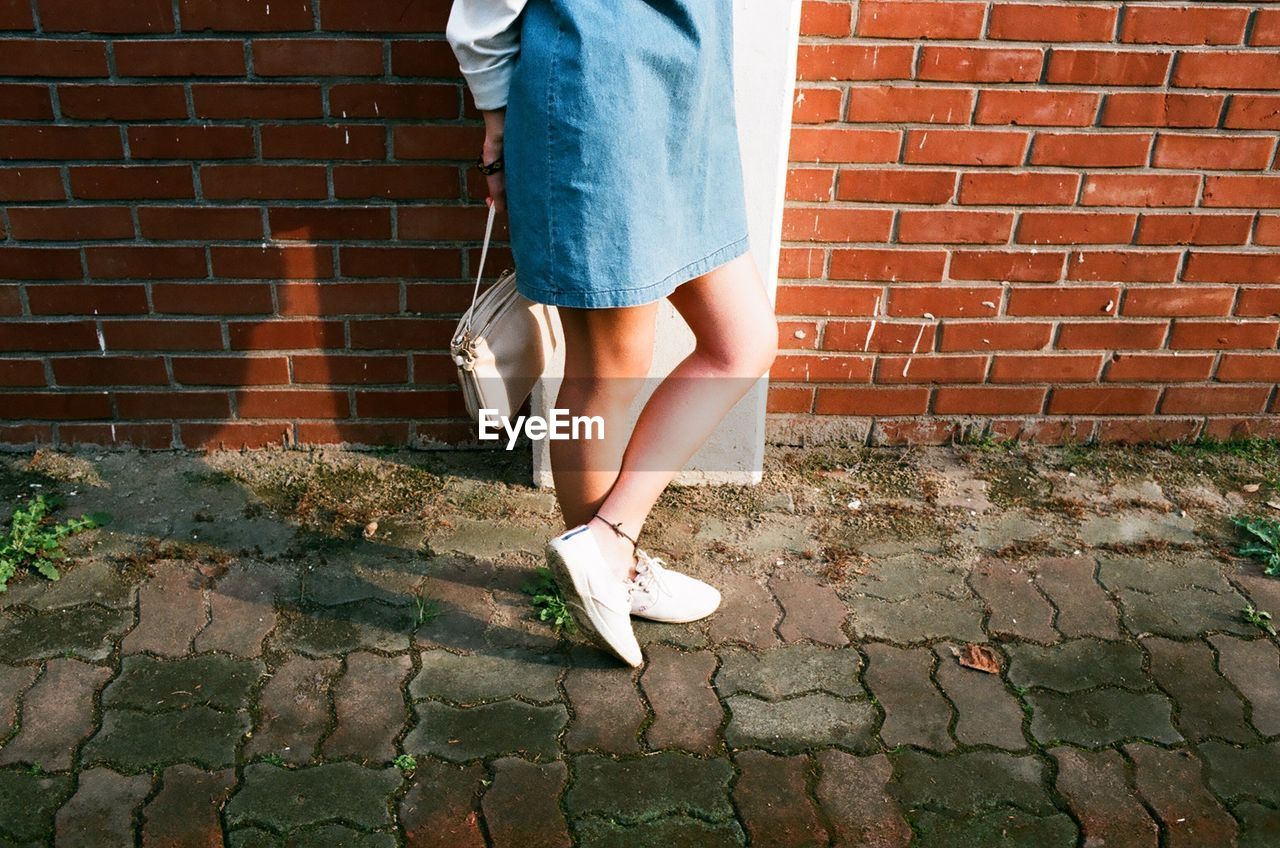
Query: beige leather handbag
[(503, 343)]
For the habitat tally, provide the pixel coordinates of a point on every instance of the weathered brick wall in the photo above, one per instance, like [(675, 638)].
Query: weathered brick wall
[(1048, 218), (248, 222)]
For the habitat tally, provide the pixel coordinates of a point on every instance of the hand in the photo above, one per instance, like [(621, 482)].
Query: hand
[(494, 122)]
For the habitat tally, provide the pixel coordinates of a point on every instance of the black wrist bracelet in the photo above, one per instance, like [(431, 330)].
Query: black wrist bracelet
[(492, 167)]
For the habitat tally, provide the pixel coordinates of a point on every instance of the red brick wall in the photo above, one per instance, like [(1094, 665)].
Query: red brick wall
[(1054, 219), (223, 226)]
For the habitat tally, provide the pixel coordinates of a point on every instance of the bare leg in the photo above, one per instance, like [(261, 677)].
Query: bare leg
[(608, 353), (735, 330)]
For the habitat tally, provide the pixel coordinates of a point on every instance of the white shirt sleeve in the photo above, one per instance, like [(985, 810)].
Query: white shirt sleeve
[(485, 37)]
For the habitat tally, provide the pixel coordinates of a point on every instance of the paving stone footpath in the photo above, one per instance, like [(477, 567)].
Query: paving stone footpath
[(240, 658)]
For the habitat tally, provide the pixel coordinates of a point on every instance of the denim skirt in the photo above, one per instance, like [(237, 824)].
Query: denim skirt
[(623, 170)]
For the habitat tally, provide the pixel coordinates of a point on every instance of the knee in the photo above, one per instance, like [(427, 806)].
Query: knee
[(750, 355)]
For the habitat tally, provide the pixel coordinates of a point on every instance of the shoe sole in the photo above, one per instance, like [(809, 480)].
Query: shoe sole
[(584, 614)]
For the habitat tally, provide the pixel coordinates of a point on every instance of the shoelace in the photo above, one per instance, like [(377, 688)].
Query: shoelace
[(649, 573)]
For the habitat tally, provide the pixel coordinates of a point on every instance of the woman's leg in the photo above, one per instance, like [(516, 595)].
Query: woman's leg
[(736, 339), (608, 353)]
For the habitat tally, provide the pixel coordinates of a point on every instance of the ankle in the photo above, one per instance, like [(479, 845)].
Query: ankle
[(618, 553)]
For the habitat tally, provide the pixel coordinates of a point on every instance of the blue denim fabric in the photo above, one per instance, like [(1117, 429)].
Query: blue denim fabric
[(623, 170)]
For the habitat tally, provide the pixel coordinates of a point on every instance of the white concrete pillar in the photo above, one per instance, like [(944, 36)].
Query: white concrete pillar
[(766, 36)]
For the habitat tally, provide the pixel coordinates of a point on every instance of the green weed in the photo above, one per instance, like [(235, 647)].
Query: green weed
[(428, 609), (406, 763), (1262, 542), (548, 602), (1259, 619), (33, 542)]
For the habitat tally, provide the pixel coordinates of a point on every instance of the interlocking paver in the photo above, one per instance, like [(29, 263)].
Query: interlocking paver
[(1006, 828), (101, 811), (607, 708), (669, 832), (370, 707), (503, 727), (1253, 667), (28, 802), (502, 673), (1109, 812), (293, 709), (1084, 608), (772, 803), (986, 712), (1236, 772), (916, 619), (747, 613), (14, 682), (1207, 705), (242, 609), (86, 632), (1172, 783), (789, 670), (797, 724), (364, 625), (522, 809), (148, 683), (171, 610), (284, 799), (184, 814), (810, 610), (1016, 608), (1259, 825), (687, 713), (915, 711), (441, 806), (57, 715), (970, 782), (136, 740), (97, 582), (465, 606), (1100, 717), (1077, 664), (322, 836), (855, 799), (632, 790), (1178, 599)]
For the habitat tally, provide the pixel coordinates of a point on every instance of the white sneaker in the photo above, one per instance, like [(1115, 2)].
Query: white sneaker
[(661, 594), (599, 601)]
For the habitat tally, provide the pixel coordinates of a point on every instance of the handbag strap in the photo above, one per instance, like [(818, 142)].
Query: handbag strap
[(484, 250)]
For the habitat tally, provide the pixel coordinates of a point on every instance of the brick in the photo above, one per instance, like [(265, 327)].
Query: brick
[(1253, 112), (43, 57), (1024, 189), (184, 814), (896, 185), (443, 804), (1207, 705), (816, 106), (1037, 108), (46, 223), (1181, 301), (134, 182), (986, 714), (1103, 400), (1028, 22), (1232, 153), (1253, 667), (122, 102), (973, 400), (772, 802), (293, 709), (871, 401), (845, 145), (887, 265), (1161, 109), (521, 809), (1052, 368), (812, 184), (687, 714), (98, 298), (171, 611), (369, 706), (250, 16), (179, 58), (829, 19), (810, 610), (1193, 229), (256, 100), (1172, 784), (953, 227), (964, 147), (842, 300), (1214, 399), (57, 715), (1159, 368), (931, 369), (944, 301), (1062, 300), (1213, 335), (858, 805), (1205, 267), (1095, 786), (1156, 25), (994, 335), (101, 811), (1011, 266), (915, 711), (1225, 69), (317, 57), (914, 104), (1140, 190), (1247, 368), (1076, 227), (826, 62), (1112, 335), (953, 63), (1108, 67), (836, 225)]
